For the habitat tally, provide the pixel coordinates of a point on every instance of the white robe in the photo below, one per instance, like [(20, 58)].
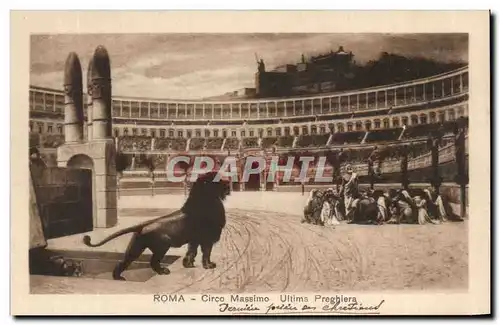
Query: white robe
[(328, 215)]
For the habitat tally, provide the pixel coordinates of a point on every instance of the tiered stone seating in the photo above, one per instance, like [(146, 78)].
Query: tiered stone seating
[(419, 131), (347, 138), (162, 143), (268, 142), (34, 139), (170, 144), (134, 143), (250, 142), (52, 140), (179, 144), (232, 143), (214, 143), (197, 143), (285, 141), (384, 135), (314, 140)]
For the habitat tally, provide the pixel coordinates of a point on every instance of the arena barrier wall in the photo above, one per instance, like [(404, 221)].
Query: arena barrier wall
[(64, 200), (37, 238)]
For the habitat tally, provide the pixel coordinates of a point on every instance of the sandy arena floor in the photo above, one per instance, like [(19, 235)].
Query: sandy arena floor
[(271, 251)]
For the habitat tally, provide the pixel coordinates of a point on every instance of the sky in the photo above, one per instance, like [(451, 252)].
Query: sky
[(193, 66)]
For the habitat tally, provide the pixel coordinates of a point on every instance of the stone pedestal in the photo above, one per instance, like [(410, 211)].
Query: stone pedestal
[(98, 155)]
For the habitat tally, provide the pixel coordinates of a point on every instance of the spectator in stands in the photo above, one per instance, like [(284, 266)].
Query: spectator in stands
[(37, 165)]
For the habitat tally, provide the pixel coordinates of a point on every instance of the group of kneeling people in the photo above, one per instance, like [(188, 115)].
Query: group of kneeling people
[(329, 207)]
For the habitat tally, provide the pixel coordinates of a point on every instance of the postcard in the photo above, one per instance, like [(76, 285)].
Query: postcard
[(253, 163)]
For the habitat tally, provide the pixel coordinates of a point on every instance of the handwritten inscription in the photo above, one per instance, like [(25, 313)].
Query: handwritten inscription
[(337, 307), (287, 304), (227, 307), (352, 307)]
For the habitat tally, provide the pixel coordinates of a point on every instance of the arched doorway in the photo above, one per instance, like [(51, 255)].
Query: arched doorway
[(81, 161), (253, 183)]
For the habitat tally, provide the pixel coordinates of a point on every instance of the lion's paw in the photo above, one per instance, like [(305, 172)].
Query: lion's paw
[(187, 263), (163, 271), (209, 265)]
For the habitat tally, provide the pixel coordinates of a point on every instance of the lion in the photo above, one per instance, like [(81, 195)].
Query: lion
[(198, 223)]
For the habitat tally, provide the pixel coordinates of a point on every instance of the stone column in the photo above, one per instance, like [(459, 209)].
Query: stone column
[(73, 100), (101, 94), (89, 102), (460, 158), (434, 141), (102, 147)]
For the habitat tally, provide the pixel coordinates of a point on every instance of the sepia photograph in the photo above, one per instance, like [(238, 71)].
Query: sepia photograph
[(253, 173)]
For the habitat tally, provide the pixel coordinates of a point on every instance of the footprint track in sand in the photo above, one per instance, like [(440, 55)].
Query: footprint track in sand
[(268, 251)]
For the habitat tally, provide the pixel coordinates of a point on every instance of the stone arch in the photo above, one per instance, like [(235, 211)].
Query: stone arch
[(442, 116), (451, 114), (269, 131), (432, 117), (395, 121), (386, 123), (423, 118), (368, 125), (80, 161), (350, 127), (414, 119), (40, 127)]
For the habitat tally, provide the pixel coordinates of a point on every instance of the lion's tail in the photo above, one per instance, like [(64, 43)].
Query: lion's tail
[(87, 239)]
